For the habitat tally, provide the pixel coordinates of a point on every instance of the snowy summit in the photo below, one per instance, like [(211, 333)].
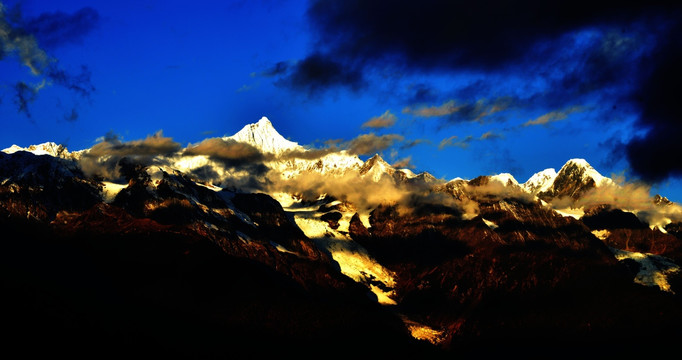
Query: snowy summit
[(264, 137), (541, 181)]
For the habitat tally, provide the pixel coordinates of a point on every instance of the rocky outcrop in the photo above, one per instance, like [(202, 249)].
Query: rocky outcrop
[(38, 186), (516, 273), (625, 231)]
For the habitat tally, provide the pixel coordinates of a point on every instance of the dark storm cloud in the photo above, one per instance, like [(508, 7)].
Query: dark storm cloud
[(655, 155), (483, 34), (317, 73), (623, 56), (57, 28)]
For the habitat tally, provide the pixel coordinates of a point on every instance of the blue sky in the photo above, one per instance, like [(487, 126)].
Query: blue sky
[(506, 88)]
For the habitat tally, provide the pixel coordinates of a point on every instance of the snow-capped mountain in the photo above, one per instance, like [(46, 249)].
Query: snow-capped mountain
[(505, 178), (263, 136), (375, 168), (573, 179), (46, 148), (348, 248), (541, 181)]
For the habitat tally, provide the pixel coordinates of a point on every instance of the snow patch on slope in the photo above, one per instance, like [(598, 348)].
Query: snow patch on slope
[(490, 224), (601, 234), (654, 269), (353, 259), (110, 190), (420, 331), (575, 213)]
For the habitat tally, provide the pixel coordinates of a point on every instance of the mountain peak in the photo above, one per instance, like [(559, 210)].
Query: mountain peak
[(541, 181), (505, 179), (376, 158), (264, 137), (46, 148), (376, 161), (376, 167), (264, 121), (578, 162), (573, 179), (580, 167)]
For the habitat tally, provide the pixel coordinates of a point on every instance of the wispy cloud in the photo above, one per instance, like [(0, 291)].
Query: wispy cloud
[(404, 163), (453, 111), (16, 41), (385, 120), (317, 73), (246, 87), (464, 143), (490, 135), (446, 108), (452, 141), (553, 116), (370, 143), (24, 39), (56, 28)]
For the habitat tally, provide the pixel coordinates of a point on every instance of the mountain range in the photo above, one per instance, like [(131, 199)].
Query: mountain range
[(254, 244)]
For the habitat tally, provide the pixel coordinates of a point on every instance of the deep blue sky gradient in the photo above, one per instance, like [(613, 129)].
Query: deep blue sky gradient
[(524, 101)]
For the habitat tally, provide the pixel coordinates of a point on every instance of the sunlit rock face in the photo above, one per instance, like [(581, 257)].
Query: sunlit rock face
[(573, 179)]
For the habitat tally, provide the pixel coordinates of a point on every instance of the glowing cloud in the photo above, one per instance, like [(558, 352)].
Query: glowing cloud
[(385, 120)]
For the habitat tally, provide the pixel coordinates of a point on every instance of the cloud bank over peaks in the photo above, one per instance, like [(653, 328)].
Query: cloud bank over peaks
[(103, 159), (240, 166)]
